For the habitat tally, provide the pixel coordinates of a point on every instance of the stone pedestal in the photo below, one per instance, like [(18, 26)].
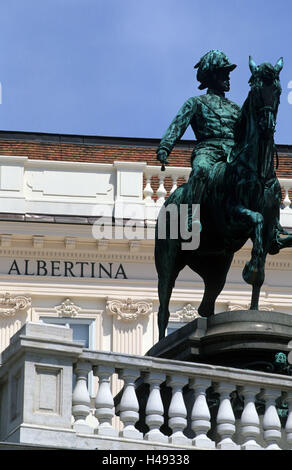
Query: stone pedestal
[(242, 338)]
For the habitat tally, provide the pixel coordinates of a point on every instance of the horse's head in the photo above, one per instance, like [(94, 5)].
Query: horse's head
[(266, 90)]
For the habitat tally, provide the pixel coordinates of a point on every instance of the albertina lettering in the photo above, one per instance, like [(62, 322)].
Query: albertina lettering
[(57, 268)]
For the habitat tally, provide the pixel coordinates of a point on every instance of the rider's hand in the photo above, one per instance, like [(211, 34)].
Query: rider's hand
[(162, 157)]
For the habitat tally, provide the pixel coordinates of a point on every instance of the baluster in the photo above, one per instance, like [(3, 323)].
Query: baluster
[(81, 398), (174, 184), (177, 411), (161, 191), (104, 403), (271, 421), (129, 406), (148, 191), (250, 422), (201, 414), (288, 427), (154, 408), (286, 200), (225, 417)]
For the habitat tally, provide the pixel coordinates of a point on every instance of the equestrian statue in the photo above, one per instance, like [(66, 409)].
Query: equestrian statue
[(233, 180)]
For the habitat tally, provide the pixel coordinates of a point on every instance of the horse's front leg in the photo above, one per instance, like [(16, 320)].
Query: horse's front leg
[(253, 272)]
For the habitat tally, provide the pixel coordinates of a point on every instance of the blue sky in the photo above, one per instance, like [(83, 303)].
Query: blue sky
[(124, 67)]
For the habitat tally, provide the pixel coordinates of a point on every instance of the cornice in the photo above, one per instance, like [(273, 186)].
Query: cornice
[(74, 255)]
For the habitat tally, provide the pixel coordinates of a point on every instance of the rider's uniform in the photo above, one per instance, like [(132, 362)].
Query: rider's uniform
[(213, 119)]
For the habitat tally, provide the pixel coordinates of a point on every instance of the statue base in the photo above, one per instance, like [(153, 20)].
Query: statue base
[(241, 338)]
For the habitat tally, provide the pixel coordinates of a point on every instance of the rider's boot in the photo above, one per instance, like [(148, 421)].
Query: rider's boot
[(276, 242)]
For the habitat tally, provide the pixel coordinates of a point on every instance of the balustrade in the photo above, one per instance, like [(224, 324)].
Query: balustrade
[(286, 185), (153, 174), (177, 407), (147, 188), (157, 188), (163, 403)]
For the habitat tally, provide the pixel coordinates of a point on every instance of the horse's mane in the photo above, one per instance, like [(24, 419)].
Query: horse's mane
[(244, 126)]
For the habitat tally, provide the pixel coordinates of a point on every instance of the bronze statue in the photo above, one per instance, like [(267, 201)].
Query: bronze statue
[(212, 118), (232, 178)]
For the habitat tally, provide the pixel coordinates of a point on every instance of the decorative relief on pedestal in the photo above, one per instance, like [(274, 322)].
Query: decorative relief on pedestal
[(128, 309), (265, 307), (187, 313), (10, 304), (67, 309), (233, 307)]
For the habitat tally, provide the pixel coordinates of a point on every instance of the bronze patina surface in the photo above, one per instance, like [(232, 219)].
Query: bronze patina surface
[(233, 179)]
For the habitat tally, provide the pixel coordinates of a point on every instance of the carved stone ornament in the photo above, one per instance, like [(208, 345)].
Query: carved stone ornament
[(233, 307), (128, 309), (10, 304), (67, 309), (187, 313), (265, 307)]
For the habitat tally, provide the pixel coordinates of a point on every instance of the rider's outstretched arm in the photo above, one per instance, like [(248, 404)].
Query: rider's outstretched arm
[(176, 129)]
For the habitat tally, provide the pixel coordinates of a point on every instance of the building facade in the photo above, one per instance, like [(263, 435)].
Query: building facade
[(77, 225), (59, 264)]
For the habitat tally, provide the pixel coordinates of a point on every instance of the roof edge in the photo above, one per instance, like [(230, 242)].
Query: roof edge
[(49, 137)]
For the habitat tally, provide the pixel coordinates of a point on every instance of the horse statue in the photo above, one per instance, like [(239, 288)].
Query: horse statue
[(241, 201)]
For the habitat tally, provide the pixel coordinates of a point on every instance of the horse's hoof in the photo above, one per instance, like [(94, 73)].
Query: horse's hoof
[(248, 274), (252, 274)]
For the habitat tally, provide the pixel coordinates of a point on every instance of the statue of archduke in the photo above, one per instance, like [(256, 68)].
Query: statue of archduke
[(213, 119), (233, 178)]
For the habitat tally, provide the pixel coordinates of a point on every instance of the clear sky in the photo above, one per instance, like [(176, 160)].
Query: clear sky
[(124, 67)]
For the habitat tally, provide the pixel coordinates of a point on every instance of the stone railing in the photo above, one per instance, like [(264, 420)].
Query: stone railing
[(163, 404), (286, 209), (160, 184), (125, 190)]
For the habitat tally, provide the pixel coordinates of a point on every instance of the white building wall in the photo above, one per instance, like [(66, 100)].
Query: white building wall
[(49, 263)]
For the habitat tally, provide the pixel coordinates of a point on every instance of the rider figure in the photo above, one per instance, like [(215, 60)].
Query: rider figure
[(212, 118)]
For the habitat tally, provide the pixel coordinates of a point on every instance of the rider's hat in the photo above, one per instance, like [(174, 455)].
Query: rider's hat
[(211, 61)]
